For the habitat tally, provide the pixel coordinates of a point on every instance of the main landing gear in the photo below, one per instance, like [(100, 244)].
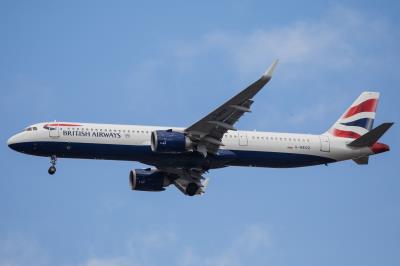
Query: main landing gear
[(53, 161)]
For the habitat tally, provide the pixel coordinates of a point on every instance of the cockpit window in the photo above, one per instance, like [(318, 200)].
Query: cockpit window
[(34, 128), (28, 129)]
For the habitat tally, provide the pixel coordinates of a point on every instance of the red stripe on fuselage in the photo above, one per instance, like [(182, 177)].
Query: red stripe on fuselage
[(345, 134), (63, 125), (366, 106)]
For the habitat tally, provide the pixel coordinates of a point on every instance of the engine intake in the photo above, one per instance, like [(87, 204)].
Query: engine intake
[(148, 180), (168, 141)]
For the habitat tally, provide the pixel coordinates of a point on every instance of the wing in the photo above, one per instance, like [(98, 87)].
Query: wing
[(207, 132)]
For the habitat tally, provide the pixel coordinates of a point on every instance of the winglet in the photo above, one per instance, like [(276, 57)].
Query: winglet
[(271, 69)]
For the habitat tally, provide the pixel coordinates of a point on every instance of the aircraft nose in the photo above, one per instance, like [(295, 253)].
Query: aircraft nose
[(11, 141)]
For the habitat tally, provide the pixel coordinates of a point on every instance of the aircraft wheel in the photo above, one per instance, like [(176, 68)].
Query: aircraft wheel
[(52, 170), (191, 189)]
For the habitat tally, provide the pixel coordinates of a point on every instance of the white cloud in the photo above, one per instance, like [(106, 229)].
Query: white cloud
[(138, 250), (342, 41), (332, 41), (253, 240), (315, 112), (151, 247), (108, 262), (21, 251)]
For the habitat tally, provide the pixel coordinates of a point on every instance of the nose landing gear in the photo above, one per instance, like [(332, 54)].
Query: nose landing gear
[(53, 160)]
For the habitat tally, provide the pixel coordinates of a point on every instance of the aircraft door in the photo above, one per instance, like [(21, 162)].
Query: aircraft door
[(54, 131), (325, 145), (243, 141)]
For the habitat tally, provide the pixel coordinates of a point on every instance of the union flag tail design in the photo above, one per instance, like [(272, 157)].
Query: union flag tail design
[(358, 118)]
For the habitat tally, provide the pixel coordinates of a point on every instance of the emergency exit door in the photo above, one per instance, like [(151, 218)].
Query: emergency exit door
[(54, 131), (325, 145), (243, 141)]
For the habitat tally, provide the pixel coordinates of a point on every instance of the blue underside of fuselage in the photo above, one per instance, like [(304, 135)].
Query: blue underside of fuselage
[(145, 155)]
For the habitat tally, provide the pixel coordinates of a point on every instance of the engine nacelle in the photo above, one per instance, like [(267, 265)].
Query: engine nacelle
[(168, 141), (148, 180)]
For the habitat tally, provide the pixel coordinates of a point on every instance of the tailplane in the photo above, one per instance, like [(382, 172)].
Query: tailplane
[(361, 160), (371, 138), (358, 118)]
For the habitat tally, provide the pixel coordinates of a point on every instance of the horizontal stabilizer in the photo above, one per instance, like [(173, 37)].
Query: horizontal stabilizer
[(371, 137), (361, 160)]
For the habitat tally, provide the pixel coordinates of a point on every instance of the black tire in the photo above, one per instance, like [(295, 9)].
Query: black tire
[(191, 189), (52, 170)]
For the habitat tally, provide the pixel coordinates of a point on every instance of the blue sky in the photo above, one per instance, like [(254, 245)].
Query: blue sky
[(170, 63)]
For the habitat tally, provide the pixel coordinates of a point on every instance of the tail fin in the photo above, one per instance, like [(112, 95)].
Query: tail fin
[(358, 118)]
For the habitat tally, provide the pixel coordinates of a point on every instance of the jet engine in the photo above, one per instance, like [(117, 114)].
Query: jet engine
[(168, 141), (148, 180)]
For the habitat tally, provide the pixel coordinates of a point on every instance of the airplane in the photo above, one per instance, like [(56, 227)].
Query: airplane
[(181, 156)]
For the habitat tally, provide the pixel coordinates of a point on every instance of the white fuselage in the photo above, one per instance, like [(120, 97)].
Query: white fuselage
[(132, 142)]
